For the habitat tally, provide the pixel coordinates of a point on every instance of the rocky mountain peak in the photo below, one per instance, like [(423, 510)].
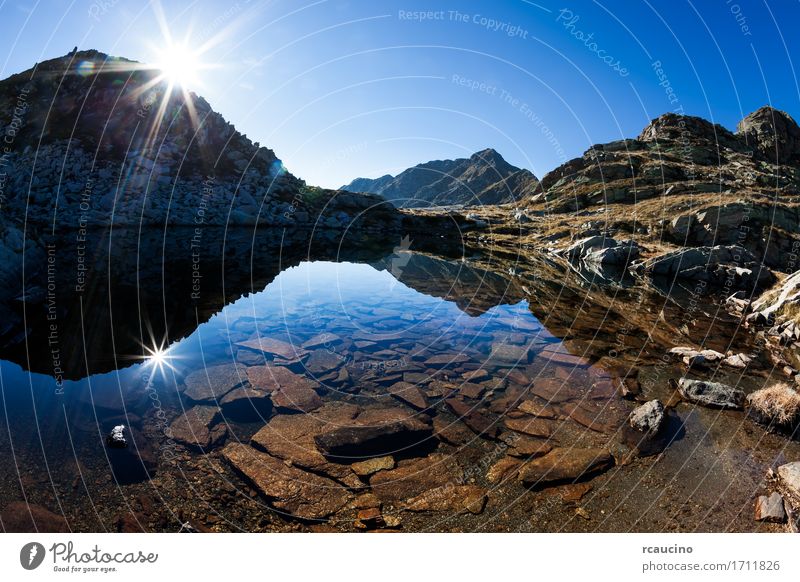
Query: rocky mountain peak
[(483, 178), (488, 156), (94, 138), (773, 133), (674, 127)]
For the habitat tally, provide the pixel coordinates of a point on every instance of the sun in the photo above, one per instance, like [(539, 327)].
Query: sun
[(158, 357), (179, 65)]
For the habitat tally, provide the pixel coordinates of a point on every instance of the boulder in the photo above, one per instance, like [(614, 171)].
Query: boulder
[(116, 438), (728, 266), (648, 418), (713, 394), (774, 303), (773, 134), (603, 250)]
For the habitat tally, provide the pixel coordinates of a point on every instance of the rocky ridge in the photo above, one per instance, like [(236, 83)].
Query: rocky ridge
[(483, 178)]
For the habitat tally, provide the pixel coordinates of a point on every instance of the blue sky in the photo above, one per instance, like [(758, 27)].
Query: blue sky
[(341, 89)]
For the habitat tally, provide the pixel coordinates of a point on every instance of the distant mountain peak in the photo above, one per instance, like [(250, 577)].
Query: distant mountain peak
[(483, 178)]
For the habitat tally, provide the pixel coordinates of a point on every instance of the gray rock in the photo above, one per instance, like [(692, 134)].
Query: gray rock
[(116, 438), (789, 293), (739, 361), (789, 475), (713, 394), (722, 265), (772, 133), (770, 508), (648, 418)]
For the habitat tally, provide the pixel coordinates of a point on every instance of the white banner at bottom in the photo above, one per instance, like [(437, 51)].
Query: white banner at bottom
[(334, 557)]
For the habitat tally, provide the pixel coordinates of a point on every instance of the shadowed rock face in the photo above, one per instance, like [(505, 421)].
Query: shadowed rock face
[(773, 133), (98, 139), (483, 178)]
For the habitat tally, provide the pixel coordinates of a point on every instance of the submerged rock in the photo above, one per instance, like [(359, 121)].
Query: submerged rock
[(198, 428), (290, 438), (370, 466), (648, 418), (713, 394), (415, 476), (213, 382), (565, 464), (116, 438), (246, 404), (409, 394), (296, 492), (289, 391), (22, 517), (374, 434), (458, 498), (275, 347)]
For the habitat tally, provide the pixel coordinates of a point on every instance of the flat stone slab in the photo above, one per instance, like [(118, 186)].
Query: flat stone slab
[(323, 361), (213, 382), (290, 437), (505, 354), (478, 420), (536, 409), (274, 347), (374, 433), (457, 498), (770, 508), (245, 403), (289, 391), (409, 394), (712, 394), (532, 426), (415, 476), (296, 492), (565, 464), (195, 427), (322, 340), (443, 360), (370, 466)]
